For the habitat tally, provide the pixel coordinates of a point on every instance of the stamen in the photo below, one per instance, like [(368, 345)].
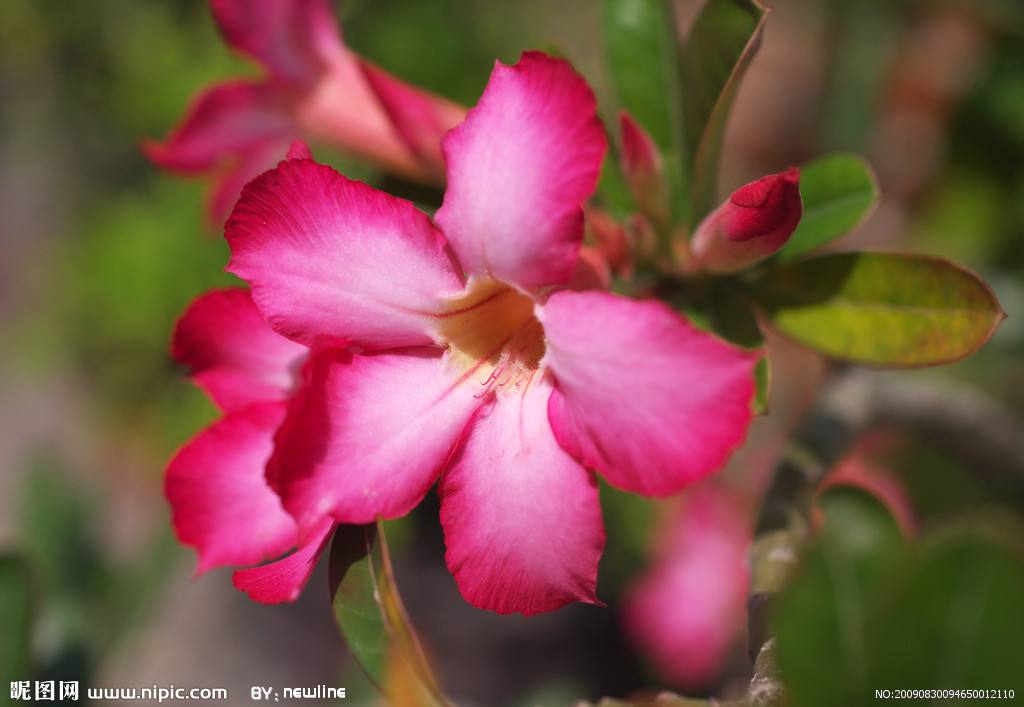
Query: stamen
[(492, 332)]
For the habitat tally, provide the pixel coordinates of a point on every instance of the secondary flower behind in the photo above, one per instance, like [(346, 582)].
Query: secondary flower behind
[(316, 89), (457, 353), (220, 501)]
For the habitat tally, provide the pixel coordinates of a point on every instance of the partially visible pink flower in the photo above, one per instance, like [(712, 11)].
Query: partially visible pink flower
[(220, 501), (752, 224), (314, 89), (469, 360), (689, 611)]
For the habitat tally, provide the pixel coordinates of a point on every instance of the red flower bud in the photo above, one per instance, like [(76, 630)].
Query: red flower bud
[(641, 167), (752, 224)]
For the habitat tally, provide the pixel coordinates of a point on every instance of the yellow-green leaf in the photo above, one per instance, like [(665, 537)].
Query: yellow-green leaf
[(372, 619), (882, 309)]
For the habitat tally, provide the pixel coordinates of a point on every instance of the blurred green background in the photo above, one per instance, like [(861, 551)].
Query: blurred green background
[(101, 251)]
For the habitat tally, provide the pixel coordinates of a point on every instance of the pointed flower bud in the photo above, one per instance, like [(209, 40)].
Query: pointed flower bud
[(642, 169), (752, 224)]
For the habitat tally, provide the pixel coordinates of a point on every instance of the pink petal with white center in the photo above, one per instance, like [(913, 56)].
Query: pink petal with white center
[(369, 435), (220, 501), (284, 579), (519, 169), (420, 118), (690, 609), (644, 398), (228, 120), (232, 353), (292, 38), (521, 518), (330, 259)]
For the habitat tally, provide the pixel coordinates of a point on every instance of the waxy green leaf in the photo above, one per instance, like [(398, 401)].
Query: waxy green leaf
[(641, 45), (825, 616), (722, 44), (882, 309), (865, 612), (15, 617), (839, 191), (372, 619), (762, 385), (958, 622)]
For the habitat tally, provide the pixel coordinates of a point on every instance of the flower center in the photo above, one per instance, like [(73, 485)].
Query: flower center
[(492, 333)]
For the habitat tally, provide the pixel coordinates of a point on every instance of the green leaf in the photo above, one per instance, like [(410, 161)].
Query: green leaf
[(372, 619), (839, 191), (641, 47), (612, 191), (824, 618), (762, 381), (732, 316), (882, 309), (958, 622), (720, 48), (863, 614), (16, 618)]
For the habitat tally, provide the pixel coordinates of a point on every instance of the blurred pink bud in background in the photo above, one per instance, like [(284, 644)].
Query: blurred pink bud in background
[(689, 610)]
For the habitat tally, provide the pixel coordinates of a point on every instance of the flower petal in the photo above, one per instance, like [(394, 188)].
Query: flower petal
[(420, 118), (331, 259), (227, 186), (521, 518), (232, 353), (220, 501), (289, 37), (643, 397), (369, 435), (519, 169), (284, 579), (229, 119)]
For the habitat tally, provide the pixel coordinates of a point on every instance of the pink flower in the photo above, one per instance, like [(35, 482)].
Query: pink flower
[(689, 611), (466, 359), (752, 224), (316, 89), (220, 501)]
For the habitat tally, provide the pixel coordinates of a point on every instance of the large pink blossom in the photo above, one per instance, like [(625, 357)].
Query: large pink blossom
[(220, 501), (456, 354), (689, 610), (315, 89)]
